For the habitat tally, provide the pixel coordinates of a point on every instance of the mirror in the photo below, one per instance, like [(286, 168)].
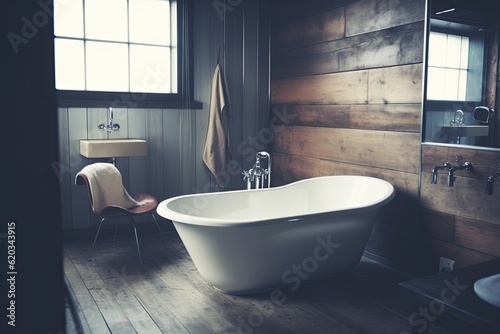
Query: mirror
[(461, 76)]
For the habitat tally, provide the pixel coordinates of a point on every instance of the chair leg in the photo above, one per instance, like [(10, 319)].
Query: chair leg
[(95, 239), (158, 226), (114, 237), (136, 239)]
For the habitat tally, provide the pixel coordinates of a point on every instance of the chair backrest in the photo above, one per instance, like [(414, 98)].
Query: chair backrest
[(105, 188)]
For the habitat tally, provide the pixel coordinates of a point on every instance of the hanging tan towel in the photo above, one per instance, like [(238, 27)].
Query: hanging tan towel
[(216, 152), (105, 182)]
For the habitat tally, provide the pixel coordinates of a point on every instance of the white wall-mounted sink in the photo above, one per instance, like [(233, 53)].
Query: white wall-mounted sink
[(466, 130), (110, 148), (488, 289)]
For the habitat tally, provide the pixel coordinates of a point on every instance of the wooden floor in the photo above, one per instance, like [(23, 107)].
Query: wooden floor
[(114, 294)]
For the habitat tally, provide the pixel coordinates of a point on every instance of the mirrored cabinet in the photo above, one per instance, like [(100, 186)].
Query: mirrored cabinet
[(461, 76)]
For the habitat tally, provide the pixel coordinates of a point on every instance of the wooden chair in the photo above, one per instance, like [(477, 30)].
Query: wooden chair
[(118, 212)]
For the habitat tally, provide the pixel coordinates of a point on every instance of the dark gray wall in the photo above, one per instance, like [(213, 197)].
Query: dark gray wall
[(176, 137)]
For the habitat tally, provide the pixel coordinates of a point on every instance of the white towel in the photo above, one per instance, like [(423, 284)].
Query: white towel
[(216, 152), (105, 182)]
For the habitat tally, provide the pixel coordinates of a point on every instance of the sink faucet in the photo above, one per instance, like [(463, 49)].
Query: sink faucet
[(490, 183), (458, 118), (110, 126), (445, 165), (451, 178)]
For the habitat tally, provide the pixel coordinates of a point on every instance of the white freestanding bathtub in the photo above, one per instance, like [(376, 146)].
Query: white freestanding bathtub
[(247, 241)]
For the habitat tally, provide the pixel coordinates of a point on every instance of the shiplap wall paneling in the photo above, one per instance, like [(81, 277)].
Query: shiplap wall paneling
[(62, 167), (80, 206), (209, 37)]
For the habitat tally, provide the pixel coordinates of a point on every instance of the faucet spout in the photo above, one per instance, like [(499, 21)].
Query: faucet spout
[(490, 183), (110, 117), (110, 126), (445, 165), (451, 177)]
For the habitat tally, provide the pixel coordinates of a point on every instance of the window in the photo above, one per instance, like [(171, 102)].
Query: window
[(448, 56), (455, 64), (118, 46)]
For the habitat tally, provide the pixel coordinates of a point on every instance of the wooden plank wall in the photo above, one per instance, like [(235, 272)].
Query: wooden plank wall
[(460, 222), (346, 90), (346, 98)]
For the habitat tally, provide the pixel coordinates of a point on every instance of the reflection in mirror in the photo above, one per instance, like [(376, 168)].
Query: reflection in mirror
[(482, 114), (461, 73)]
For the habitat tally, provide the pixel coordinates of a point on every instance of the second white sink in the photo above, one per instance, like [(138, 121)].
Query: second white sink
[(110, 148), (488, 289), (466, 130)]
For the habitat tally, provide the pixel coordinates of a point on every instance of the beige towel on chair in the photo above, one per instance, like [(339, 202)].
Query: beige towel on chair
[(105, 182), (216, 152)]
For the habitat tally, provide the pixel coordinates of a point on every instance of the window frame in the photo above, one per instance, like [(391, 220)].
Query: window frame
[(182, 99)]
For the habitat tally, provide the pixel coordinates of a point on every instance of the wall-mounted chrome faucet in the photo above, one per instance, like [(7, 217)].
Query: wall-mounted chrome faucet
[(445, 165), (458, 118), (110, 126), (490, 184), (451, 177), (257, 173)]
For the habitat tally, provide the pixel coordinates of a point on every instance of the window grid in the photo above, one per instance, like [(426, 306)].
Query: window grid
[(444, 65), (171, 47)]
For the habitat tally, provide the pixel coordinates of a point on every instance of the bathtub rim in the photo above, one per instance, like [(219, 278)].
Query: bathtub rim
[(181, 218)]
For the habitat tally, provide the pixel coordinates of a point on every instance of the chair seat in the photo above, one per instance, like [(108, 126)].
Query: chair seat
[(137, 210)]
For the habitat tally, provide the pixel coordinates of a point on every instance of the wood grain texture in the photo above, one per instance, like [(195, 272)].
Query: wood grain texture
[(390, 47), (318, 28), (400, 84), (372, 15), (166, 294), (350, 146), (467, 198), (337, 88), (478, 235), (386, 117)]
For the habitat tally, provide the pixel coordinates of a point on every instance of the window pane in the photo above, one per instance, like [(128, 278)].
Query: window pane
[(68, 20), (437, 49), (453, 51), (69, 62), (462, 85), (173, 23), (106, 20), (464, 59), (107, 66), (150, 21), (451, 84), (150, 69), (435, 83)]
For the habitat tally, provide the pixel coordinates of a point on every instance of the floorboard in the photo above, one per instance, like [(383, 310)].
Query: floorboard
[(113, 293)]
